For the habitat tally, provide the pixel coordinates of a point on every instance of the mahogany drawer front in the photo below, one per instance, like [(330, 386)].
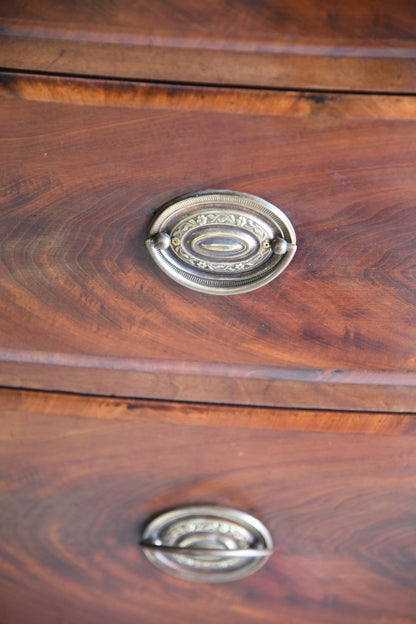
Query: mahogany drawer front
[(313, 44), (85, 164), (80, 476)]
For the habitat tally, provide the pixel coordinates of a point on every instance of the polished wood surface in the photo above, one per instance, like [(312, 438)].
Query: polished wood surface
[(122, 94), (319, 44), (84, 308), (80, 476)]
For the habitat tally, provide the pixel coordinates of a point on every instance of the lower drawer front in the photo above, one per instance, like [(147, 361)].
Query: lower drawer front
[(81, 475)]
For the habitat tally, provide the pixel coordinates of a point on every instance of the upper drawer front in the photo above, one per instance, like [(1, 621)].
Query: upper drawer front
[(319, 44), (85, 165), (82, 475)]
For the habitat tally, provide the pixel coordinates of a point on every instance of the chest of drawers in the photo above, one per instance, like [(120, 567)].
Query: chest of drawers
[(293, 402)]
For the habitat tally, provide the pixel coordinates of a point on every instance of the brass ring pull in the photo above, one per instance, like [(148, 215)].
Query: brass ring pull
[(248, 553), (221, 242), (207, 543)]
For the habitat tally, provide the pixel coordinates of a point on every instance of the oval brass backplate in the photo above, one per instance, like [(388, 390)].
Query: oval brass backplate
[(221, 242), (207, 543)]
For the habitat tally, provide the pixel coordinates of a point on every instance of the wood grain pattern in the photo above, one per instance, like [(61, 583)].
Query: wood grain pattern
[(209, 382), (80, 475), (78, 290), (95, 92), (315, 44)]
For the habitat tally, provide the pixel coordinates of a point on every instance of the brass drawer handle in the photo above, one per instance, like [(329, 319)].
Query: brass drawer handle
[(207, 543), (221, 242), (248, 553)]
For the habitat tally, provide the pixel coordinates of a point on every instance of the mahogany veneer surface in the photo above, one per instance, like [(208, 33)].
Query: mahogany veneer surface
[(84, 166), (320, 44), (80, 476)]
